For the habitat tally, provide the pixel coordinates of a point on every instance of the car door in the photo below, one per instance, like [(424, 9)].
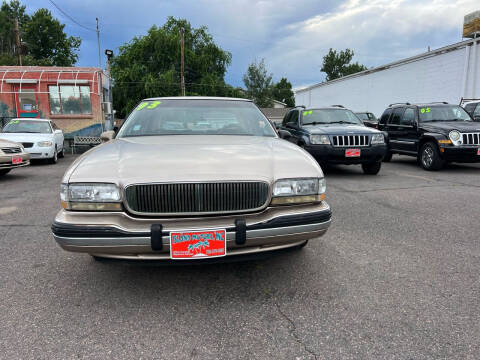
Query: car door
[(393, 129), (58, 135), (292, 125), (408, 131)]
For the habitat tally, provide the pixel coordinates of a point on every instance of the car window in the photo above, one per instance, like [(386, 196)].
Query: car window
[(27, 126), (477, 110), (294, 117), (329, 116), (429, 113), (363, 116), (196, 117), (470, 108), (286, 118), (385, 116), (371, 116), (408, 117), (396, 117)]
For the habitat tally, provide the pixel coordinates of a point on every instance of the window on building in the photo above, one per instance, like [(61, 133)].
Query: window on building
[(70, 99)]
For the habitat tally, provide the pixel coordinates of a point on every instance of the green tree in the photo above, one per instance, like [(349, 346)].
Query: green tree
[(47, 42), (8, 12), (337, 64), (259, 84), (150, 65), (282, 91)]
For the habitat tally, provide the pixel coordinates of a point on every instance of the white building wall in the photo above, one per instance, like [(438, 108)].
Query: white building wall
[(435, 76)]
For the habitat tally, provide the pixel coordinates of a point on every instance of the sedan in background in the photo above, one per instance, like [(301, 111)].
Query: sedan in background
[(368, 119), (12, 155), (41, 138)]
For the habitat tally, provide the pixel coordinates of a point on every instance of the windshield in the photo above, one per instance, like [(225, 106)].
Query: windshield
[(329, 116), (28, 126), (442, 113), (196, 117), (362, 116)]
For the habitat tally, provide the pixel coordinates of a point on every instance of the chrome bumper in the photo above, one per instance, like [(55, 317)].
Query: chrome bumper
[(284, 228)]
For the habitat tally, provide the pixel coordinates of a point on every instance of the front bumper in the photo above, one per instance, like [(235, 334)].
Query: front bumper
[(336, 155), (37, 152), (6, 161), (465, 154), (120, 236)]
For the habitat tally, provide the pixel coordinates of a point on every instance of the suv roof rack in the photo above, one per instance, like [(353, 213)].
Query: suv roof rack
[(400, 103), (302, 106), (438, 102), (463, 100), (340, 106)]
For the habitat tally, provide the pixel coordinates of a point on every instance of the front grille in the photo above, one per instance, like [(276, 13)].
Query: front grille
[(27, 145), (471, 139), (195, 198), (12, 150), (350, 140)]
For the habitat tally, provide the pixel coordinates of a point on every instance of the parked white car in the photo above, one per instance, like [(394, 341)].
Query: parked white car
[(41, 138)]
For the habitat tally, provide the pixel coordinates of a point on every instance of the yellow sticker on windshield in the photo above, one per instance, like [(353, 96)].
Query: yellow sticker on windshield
[(14, 122), (142, 105), (425, 110), (310, 112), (305, 113), (154, 105)]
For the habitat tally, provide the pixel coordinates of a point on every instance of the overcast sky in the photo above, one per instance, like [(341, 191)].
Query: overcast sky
[(292, 35)]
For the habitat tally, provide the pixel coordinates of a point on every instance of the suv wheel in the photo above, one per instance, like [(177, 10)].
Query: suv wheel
[(430, 157), (372, 168)]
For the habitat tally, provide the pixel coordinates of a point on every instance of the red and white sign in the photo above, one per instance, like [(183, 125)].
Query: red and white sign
[(17, 160), (478, 151), (198, 244), (352, 153)]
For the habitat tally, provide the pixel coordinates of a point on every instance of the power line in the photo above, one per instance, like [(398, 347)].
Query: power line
[(71, 18)]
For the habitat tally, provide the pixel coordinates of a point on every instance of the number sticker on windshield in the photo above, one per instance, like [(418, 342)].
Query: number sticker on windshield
[(14, 122), (425, 110), (148, 105)]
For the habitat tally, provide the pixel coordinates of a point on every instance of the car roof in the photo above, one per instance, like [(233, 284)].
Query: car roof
[(31, 119), (433, 103), (198, 98)]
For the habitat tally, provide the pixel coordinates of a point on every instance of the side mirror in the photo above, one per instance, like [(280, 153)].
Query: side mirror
[(107, 135), (284, 134), (115, 129)]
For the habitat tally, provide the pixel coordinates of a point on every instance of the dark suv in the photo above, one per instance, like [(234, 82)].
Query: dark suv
[(435, 133), (336, 135)]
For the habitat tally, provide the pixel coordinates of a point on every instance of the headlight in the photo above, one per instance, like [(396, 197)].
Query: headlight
[(44, 144), (94, 197), (320, 139), (378, 139), (295, 191), (456, 137)]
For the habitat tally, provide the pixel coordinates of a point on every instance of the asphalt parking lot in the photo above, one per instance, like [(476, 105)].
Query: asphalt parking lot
[(396, 277)]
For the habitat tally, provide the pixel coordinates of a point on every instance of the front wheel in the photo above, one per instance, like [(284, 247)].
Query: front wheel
[(372, 168), (430, 157), (4, 171)]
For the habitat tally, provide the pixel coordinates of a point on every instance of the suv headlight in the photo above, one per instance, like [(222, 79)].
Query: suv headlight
[(456, 137), (378, 139), (320, 139), (44, 144), (296, 191), (91, 197)]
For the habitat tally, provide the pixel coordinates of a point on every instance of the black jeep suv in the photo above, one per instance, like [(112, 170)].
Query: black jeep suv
[(435, 133), (335, 135)]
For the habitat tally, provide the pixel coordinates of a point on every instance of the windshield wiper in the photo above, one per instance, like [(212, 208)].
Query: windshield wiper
[(315, 123), (343, 122)]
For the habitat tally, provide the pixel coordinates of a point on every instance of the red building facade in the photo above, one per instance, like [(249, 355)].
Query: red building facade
[(70, 96)]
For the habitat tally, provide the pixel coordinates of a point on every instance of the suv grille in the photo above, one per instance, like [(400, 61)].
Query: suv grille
[(195, 198), (12, 150), (471, 139), (350, 140)]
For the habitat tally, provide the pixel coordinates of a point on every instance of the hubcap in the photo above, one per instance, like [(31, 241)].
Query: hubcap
[(427, 156)]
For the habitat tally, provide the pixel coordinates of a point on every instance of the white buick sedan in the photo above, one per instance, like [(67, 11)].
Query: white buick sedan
[(41, 138)]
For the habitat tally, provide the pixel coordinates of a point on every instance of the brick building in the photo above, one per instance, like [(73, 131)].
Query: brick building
[(75, 98)]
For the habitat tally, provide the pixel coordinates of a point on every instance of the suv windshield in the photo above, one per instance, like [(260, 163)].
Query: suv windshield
[(330, 116), (430, 113), (28, 126), (196, 117)]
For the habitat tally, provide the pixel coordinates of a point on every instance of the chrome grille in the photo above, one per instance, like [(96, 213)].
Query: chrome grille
[(195, 198), (471, 139), (350, 140), (12, 150)]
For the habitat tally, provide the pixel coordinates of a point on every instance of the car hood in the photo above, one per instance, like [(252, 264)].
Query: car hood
[(26, 137), (187, 158), (339, 129), (447, 126), (8, 143)]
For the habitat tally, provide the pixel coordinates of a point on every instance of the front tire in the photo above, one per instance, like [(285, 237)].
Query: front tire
[(429, 157), (4, 171), (372, 168)]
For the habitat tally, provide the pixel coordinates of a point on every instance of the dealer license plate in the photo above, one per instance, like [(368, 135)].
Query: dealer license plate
[(17, 160), (198, 244), (478, 151), (352, 153)]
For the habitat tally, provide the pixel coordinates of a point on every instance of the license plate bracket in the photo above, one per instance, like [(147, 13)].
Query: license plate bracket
[(197, 244), (352, 153)]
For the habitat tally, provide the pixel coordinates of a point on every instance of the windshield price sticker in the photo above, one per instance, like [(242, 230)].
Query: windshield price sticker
[(148, 105), (198, 244), (425, 110), (305, 113)]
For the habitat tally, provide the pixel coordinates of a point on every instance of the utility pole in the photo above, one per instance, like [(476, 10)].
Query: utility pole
[(17, 41), (98, 41), (182, 63)]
